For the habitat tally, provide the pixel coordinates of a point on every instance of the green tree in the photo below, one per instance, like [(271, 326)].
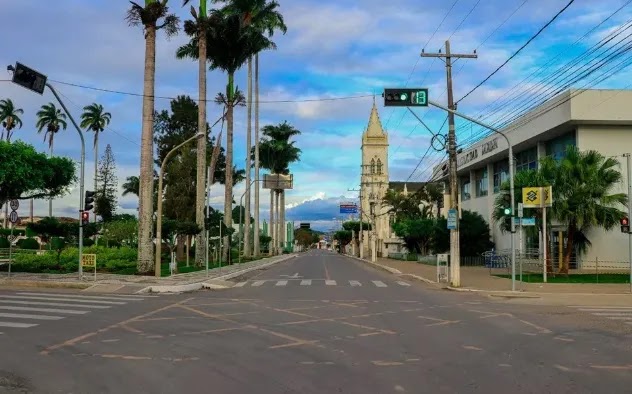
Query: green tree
[(153, 16), (304, 237), (10, 117), (131, 186), (474, 235), (417, 233), (343, 237), (121, 232), (106, 197)]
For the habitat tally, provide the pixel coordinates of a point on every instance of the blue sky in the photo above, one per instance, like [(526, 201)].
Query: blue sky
[(332, 49)]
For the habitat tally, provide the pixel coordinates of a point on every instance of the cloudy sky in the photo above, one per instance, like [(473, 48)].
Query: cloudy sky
[(333, 49)]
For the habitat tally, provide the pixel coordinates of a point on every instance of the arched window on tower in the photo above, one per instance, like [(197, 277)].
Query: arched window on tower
[(379, 167), (372, 166)]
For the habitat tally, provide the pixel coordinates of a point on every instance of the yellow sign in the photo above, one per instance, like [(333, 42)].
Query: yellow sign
[(537, 197), (89, 260)]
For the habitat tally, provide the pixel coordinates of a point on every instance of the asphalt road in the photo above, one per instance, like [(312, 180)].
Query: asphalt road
[(318, 323)]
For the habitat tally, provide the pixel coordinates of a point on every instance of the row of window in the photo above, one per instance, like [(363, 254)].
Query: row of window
[(376, 168), (525, 160)]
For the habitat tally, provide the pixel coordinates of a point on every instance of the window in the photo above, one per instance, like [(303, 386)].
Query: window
[(556, 148), (527, 160), (482, 182), (501, 174), (465, 189), (372, 166), (379, 167)]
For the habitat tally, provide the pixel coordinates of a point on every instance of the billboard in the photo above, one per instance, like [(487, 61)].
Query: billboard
[(348, 208)]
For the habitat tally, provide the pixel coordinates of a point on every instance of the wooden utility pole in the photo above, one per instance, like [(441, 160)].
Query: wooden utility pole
[(455, 261)]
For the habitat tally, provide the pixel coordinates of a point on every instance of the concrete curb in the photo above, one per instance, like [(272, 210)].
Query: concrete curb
[(380, 266), (208, 283), (492, 293), (421, 278), (45, 284)]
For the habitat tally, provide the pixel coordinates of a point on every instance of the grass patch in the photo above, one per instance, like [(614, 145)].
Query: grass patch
[(572, 278)]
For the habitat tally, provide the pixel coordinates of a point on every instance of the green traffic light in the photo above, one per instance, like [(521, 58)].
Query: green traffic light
[(507, 211), (403, 96)]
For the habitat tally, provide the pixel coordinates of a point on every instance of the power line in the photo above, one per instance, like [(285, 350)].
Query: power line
[(519, 49)]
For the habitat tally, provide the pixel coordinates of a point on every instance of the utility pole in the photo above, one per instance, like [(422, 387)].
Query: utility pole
[(361, 227), (455, 262)]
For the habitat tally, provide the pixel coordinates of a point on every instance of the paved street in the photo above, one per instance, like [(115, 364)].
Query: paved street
[(317, 323)]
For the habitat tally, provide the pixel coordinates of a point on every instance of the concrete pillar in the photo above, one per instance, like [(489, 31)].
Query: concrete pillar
[(277, 222), (271, 225)]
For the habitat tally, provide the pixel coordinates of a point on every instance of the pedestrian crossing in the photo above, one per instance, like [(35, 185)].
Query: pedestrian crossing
[(317, 282), (619, 313), (22, 310)]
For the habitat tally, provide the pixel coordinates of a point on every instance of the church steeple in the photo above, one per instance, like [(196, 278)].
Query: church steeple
[(374, 128)]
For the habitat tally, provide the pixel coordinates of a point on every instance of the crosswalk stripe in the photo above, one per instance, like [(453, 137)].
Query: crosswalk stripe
[(620, 317), (281, 283), (53, 304), (330, 282), (355, 283), (58, 295), (34, 317), (612, 314), (259, 283), (605, 310), (378, 283), (16, 325), (306, 282), (240, 284), (602, 307), (64, 299), (402, 283), (28, 309)]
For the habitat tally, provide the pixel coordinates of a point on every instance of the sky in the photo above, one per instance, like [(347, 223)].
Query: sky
[(321, 79)]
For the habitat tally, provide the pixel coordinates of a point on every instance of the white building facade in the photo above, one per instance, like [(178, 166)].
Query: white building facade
[(599, 120)]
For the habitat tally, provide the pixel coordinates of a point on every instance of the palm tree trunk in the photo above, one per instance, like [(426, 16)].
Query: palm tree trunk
[(228, 190), (248, 148), (50, 199), (200, 192), (271, 225), (146, 198), (569, 248), (96, 166), (277, 240), (257, 245), (282, 229)]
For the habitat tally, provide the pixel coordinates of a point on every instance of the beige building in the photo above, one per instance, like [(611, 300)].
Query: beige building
[(598, 120)]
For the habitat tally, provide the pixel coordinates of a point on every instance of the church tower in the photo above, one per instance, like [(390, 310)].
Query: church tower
[(374, 180)]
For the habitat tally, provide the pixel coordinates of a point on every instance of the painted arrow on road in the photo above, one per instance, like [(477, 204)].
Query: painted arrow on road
[(295, 276)]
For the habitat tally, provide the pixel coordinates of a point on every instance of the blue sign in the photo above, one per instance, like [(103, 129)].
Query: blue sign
[(452, 215), (348, 208), (525, 221)]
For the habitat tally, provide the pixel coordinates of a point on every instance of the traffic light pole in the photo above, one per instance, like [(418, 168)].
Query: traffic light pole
[(81, 176)]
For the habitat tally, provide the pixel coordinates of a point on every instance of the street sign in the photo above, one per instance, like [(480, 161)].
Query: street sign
[(14, 204), (520, 210), (29, 78), (88, 260), (537, 197), (524, 221), (13, 217), (348, 208), (405, 97), (11, 238), (452, 215)]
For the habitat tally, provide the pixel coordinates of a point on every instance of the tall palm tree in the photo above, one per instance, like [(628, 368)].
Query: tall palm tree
[(149, 16), (230, 44), (53, 119), (198, 27), (131, 186), (95, 119), (9, 116), (262, 16)]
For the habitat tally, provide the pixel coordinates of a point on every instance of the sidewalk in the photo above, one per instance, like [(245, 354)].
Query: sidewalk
[(137, 283)]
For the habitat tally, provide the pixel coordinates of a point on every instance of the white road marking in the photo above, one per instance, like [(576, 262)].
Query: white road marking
[(330, 282), (87, 297), (258, 283), (306, 282), (34, 317), (605, 310), (378, 283), (53, 304), (281, 283), (28, 309), (402, 283), (355, 283), (64, 299), (602, 307), (612, 314), (240, 284), (16, 325)]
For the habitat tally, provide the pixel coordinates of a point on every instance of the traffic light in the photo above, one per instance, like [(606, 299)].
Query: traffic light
[(625, 225), (85, 218), (29, 78), (406, 97), (88, 200)]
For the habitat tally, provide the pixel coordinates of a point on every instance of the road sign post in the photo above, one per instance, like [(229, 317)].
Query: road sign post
[(452, 219), (90, 261)]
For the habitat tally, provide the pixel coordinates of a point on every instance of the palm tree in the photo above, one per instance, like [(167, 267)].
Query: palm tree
[(95, 119), (149, 16), (131, 186), (53, 119), (9, 116), (263, 17), (229, 47)]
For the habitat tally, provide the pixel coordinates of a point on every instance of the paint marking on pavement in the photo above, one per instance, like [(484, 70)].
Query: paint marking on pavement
[(601, 307), (33, 317), (355, 283), (281, 283), (16, 325), (240, 284), (612, 314), (258, 283), (563, 368), (605, 310), (613, 367), (378, 283), (78, 299), (330, 282), (306, 282), (402, 283), (468, 347), (87, 297), (564, 339), (28, 309), (386, 363), (52, 304)]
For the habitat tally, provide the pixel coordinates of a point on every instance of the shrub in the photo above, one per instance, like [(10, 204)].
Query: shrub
[(4, 243), (28, 243)]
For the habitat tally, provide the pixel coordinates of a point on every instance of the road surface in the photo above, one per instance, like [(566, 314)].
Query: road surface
[(317, 323)]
